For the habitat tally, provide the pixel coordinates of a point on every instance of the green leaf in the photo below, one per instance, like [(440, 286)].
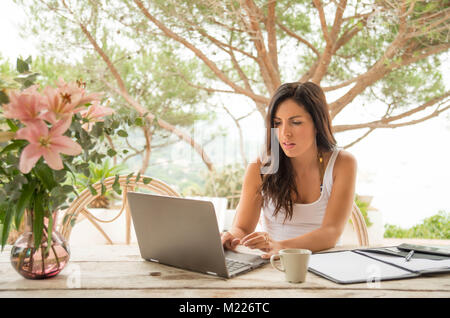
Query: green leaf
[(67, 188), (147, 180), (24, 200), (138, 177), (22, 66), (45, 174), (12, 125), (66, 217), (16, 144), (38, 220), (116, 185), (103, 189), (111, 152), (4, 99), (7, 224), (122, 133), (92, 190), (30, 79), (129, 177), (67, 168), (139, 122)]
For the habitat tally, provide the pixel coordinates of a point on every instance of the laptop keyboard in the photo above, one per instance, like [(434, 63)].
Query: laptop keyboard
[(233, 265)]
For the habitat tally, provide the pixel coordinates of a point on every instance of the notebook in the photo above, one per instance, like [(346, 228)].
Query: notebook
[(375, 264)]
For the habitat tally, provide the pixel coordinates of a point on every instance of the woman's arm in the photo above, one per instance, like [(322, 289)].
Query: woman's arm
[(250, 203), (337, 212)]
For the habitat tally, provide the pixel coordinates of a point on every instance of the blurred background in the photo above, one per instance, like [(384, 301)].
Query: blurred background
[(180, 60)]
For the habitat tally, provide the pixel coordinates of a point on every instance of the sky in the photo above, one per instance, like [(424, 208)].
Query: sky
[(406, 170)]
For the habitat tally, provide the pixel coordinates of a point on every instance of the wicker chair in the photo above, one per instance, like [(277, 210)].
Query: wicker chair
[(359, 225), (78, 209)]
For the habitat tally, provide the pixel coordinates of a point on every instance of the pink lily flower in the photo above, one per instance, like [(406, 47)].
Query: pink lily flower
[(46, 143), (77, 93), (58, 106), (95, 113), (66, 100), (25, 106)]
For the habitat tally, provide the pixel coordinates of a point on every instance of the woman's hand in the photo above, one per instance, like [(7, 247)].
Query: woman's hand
[(263, 242), (229, 241)]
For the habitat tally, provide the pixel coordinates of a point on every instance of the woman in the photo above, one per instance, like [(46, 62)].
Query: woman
[(305, 187)]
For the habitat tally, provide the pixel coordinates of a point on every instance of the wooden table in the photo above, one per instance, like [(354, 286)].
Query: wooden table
[(119, 271)]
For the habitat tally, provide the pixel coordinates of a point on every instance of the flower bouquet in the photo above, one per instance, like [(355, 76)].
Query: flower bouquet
[(51, 132)]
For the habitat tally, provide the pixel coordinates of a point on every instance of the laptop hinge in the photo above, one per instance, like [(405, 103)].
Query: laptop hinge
[(154, 260)]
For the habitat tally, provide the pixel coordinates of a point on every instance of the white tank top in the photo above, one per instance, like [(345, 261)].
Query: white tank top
[(305, 217)]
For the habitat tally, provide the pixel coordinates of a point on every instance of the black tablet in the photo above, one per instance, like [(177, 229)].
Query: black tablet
[(444, 251)]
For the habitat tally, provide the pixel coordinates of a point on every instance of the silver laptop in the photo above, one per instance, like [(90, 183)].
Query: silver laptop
[(184, 233)]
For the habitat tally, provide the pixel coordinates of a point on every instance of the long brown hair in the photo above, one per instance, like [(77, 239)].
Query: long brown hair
[(278, 184)]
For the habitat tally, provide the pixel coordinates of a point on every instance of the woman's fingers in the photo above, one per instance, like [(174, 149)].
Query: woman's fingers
[(229, 241), (235, 242), (257, 240), (251, 236), (268, 255), (254, 242)]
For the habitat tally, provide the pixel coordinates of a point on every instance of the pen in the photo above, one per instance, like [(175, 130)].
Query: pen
[(410, 254)]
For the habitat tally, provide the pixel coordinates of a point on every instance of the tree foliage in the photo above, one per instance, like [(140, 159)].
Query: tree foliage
[(383, 50), (433, 227)]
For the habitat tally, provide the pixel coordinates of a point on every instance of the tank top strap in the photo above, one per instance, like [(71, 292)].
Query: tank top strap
[(328, 175)]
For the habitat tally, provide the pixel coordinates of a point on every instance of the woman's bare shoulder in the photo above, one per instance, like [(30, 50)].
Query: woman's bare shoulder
[(345, 162), (253, 171)]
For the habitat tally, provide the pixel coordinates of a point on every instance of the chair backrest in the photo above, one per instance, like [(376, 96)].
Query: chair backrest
[(79, 205), (359, 225)]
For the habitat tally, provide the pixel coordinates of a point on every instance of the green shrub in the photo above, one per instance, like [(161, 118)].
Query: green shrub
[(225, 182), (363, 207), (434, 227)]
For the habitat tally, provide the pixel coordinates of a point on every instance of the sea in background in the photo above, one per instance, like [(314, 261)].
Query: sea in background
[(406, 170)]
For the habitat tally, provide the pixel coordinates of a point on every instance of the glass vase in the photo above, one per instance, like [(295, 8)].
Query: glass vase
[(40, 262)]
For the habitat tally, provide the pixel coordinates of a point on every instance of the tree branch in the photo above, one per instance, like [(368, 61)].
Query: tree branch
[(238, 68), (330, 39), (386, 122), (349, 34), (148, 149), (410, 56), (208, 89), (299, 38), (429, 28), (376, 72), (165, 125), (271, 34), (198, 53), (323, 22), (219, 43), (343, 39), (266, 64), (241, 137), (357, 16), (359, 139), (122, 91)]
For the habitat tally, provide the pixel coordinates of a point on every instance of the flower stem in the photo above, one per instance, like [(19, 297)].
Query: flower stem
[(30, 243), (53, 249), (43, 259)]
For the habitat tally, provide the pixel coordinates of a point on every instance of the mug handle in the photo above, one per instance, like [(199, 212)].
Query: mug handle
[(272, 261)]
